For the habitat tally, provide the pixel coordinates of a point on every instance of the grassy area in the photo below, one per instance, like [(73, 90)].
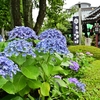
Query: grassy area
[(92, 81)]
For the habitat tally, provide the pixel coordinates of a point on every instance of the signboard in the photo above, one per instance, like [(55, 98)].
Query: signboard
[(97, 28), (76, 29)]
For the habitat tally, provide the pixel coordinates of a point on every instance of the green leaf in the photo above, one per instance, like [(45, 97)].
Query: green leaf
[(2, 46), (47, 68), (55, 93), (31, 98), (57, 69), (36, 41), (8, 97), (19, 82), (67, 63), (29, 61), (58, 56), (18, 59), (34, 84), (31, 72), (24, 91), (17, 98), (61, 82), (45, 89), (9, 88), (2, 81)]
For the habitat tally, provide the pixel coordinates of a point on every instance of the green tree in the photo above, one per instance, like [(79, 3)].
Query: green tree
[(5, 20), (57, 16), (19, 12)]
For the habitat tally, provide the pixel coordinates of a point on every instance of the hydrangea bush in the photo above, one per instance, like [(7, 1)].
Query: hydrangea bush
[(42, 72)]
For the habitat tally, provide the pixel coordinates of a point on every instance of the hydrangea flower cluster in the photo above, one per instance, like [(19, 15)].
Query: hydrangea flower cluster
[(54, 34), (22, 32), (17, 47), (7, 67), (52, 41), (74, 66), (79, 85)]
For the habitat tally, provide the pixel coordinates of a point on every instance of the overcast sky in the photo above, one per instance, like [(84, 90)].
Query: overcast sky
[(94, 3), (69, 3)]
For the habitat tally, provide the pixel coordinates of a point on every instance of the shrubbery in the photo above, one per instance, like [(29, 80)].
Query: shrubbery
[(94, 50), (46, 71)]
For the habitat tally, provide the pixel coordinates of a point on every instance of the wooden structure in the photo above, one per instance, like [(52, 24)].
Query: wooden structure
[(94, 16), (94, 19)]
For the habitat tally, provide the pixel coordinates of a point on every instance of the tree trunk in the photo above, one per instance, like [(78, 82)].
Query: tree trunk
[(27, 13), (41, 15), (15, 12)]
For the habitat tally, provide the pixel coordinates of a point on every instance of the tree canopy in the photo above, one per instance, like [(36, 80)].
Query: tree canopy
[(19, 12)]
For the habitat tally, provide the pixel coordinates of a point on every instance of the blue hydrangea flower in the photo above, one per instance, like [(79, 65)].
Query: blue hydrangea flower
[(7, 67), (81, 86), (52, 41), (52, 34), (78, 84), (74, 66), (22, 32), (49, 45), (1, 38), (73, 80), (17, 47)]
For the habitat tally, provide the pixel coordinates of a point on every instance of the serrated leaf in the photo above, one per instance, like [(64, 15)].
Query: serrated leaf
[(19, 82), (31, 72), (45, 89), (2, 81)]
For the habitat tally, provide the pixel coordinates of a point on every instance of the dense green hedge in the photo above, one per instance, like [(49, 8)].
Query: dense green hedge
[(94, 50)]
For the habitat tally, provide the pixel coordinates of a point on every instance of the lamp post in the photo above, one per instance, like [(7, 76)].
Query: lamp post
[(80, 24)]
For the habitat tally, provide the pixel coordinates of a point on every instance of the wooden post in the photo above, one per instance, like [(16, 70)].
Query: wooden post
[(96, 40), (80, 24)]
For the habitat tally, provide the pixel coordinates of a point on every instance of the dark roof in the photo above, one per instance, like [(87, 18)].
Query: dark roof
[(94, 12), (94, 15), (83, 3)]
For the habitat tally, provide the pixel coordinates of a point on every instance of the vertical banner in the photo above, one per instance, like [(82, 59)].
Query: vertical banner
[(76, 29)]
